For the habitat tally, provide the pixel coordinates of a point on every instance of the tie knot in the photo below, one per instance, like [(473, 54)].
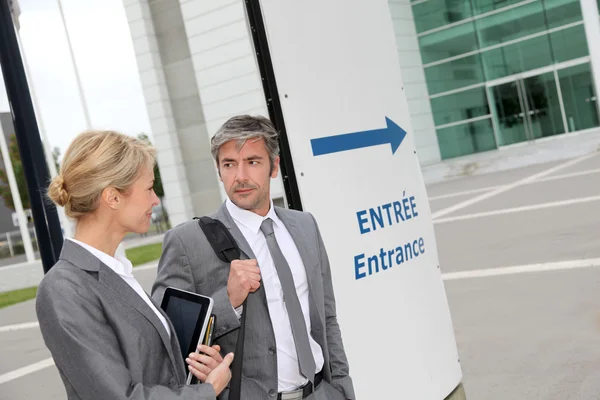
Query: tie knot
[(267, 227)]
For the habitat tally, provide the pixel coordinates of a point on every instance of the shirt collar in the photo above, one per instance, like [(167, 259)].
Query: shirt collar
[(121, 265), (251, 220)]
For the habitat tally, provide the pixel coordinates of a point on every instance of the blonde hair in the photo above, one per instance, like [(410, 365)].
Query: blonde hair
[(94, 161)]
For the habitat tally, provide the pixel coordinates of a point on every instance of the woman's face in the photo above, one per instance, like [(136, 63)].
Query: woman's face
[(136, 213)]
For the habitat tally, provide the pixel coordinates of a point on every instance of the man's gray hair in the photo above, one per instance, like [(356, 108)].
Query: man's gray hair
[(242, 128)]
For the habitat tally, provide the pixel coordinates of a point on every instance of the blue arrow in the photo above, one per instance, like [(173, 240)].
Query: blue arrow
[(392, 134)]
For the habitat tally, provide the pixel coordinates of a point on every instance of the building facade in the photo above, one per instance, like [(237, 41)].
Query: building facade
[(505, 72), (479, 75)]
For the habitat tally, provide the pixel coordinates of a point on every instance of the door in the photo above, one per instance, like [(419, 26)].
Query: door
[(527, 109)]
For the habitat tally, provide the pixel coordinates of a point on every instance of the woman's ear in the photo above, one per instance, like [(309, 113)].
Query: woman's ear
[(111, 197)]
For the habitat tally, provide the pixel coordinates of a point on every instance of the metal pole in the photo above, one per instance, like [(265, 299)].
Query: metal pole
[(14, 190), (88, 120), (265, 66), (45, 217)]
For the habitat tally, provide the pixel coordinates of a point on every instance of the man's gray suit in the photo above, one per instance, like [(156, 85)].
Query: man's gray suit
[(107, 343), (188, 262)]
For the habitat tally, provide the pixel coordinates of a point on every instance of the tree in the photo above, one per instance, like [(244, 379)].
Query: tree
[(15, 157), (56, 156), (13, 150), (158, 187)]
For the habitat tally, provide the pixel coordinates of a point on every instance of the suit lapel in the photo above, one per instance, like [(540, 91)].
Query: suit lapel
[(181, 371), (305, 250), (223, 215), (115, 283), (83, 259)]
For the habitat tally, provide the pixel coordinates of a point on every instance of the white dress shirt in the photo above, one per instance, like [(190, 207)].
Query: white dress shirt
[(288, 370), (123, 267)]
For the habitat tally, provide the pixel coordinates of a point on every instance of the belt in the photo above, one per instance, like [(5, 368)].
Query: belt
[(302, 392)]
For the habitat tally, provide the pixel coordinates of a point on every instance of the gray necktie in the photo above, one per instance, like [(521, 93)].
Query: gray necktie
[(292, 304)]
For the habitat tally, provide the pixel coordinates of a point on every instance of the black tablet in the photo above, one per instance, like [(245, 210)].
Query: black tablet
[(189, 313)]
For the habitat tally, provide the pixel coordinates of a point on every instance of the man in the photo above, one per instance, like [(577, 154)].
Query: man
[(293, 345)]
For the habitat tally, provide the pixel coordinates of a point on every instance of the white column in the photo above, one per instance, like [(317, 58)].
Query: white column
[(14, 190), (591, 20)]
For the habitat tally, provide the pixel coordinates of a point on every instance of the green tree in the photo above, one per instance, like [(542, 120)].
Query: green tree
[(56, 156), (15, 157), (158, 187), (13, 150)]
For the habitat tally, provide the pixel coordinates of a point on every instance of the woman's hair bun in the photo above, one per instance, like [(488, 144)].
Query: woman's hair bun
[(57, 191)]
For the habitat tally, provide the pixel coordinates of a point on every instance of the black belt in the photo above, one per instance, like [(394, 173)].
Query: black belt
[(308, 387)]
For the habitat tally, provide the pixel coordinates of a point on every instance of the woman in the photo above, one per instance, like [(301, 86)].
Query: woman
[(107, 338)]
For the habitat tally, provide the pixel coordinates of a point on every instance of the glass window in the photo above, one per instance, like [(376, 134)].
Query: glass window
[(511, 24), (458, 106), (432, 14), (454, 74), (484, 6), (568, 44), (518, 57), (579, 99), (448, 43), (465, 139), (561, 12)]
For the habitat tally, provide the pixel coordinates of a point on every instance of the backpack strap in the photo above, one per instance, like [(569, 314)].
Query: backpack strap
[(227, 250)]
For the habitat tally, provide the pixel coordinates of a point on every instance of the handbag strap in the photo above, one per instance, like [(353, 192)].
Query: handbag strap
[(227, 250)]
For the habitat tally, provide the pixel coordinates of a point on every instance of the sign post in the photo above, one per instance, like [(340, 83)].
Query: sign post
[(349, 132)]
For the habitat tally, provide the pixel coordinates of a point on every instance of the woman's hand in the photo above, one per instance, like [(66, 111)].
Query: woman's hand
[(221, 375), (202, 364)]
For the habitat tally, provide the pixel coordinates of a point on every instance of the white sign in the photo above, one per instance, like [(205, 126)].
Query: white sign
[(338, 77), (15, 217)]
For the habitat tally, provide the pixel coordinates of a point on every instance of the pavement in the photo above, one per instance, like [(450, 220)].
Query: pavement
[(519, 252)]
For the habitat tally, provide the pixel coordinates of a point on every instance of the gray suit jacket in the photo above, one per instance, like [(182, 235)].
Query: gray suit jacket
[(105, 340), (188, 262)]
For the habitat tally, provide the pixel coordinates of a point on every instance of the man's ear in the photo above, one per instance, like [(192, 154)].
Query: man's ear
[(219, 172), (111, 197), (275, 167)]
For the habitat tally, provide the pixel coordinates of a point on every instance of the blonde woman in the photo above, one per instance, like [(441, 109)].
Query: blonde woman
[(107, 338)]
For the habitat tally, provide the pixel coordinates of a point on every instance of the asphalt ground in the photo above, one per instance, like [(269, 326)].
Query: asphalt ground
[(519, 252)]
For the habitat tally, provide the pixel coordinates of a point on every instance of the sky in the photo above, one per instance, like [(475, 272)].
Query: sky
[(105, 59)]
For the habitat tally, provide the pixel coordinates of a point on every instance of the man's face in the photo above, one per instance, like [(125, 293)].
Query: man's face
[(246, 174)]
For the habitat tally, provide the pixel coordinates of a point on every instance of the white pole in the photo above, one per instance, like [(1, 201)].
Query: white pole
[(10, 248), (64, 221), (591, 22), (88, 121), (14, 190)]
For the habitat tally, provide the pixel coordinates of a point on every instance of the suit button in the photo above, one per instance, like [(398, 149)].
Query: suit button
[(272, 393), (172, 382), (271, 350)]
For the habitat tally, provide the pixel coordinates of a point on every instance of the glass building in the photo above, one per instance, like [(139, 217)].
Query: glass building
[(477, 75), (500, 72)]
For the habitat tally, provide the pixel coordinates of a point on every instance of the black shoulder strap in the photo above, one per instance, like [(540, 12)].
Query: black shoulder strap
[(220, 239), (227, 250)]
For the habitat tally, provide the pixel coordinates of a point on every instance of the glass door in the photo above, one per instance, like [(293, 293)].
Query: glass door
[(543, 106), (526, 109), (509, 117)]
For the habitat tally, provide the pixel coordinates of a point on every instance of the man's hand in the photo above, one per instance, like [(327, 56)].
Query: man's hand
[(244, 278)]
